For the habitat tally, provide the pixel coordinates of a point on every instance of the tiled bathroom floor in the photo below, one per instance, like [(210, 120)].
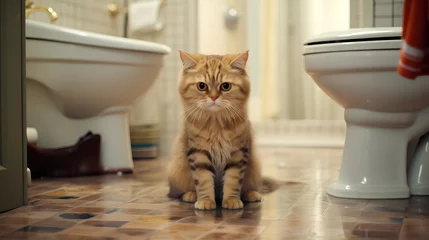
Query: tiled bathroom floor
[(135, 207)]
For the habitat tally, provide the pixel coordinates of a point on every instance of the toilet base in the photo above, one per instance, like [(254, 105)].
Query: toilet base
[(374, 163), (55, 130), (115, 148), (368, 192), (116, 155), (421, 190)]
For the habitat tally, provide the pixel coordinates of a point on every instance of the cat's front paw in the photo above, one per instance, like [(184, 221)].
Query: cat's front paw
[(232, 203), (252, 196), (205, 204), (190, 197)]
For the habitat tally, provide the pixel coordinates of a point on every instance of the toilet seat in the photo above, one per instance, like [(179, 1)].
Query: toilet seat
[(361, 39)]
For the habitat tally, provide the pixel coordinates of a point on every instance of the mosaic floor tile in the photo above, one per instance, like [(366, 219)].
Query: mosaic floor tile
[(177, 213), (92, 231), (115, 217), (182, 231), (105, 224), (76, 216), (40, 229), (146, 225), (55, 222), (334, 212), (77, 237), (416, 221), (103, 204), (201, 220), (28, 213), (5, 229), (50, 208), (253, 230), (135, 206), (371, 214), (143, 206), (92, 197), (225, 235), (26, 235), (70, 203), (131, 211), (150, 222), (130, 233), (89, 210), (18, 220), (413, 235)]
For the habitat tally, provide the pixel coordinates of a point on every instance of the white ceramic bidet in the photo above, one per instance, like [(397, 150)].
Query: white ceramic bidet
[(79, 81), (385, 113)]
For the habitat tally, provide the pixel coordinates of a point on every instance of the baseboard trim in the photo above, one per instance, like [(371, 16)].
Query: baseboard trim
[(300, 143), (300, 133)]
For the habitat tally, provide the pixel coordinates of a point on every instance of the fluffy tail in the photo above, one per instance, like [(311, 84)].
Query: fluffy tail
[(268, 185)]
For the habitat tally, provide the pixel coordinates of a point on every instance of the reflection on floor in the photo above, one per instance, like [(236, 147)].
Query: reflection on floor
[(135, 207)]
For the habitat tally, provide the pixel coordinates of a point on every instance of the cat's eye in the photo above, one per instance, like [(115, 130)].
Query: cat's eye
[(201, 86), (225, 86)]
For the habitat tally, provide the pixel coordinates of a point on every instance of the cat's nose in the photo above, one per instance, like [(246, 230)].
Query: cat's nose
[(214, 97)]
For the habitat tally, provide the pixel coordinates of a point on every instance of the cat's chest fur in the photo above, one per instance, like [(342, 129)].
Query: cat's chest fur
[(220, 143)]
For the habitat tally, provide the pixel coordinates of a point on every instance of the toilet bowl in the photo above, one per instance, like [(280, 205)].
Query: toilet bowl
[(385, 113), (79, 81)]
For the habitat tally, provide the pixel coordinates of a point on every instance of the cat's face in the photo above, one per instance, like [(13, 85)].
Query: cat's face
[(216, 85)]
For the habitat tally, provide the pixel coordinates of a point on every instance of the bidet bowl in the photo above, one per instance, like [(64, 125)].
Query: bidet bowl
[(89, 73)]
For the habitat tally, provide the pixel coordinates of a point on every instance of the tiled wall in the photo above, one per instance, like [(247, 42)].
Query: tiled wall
[(160, 104), (178, 34), (88, 15), (387, 13)]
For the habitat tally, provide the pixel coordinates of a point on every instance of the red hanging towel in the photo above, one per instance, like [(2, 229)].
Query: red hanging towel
[(414, 58)]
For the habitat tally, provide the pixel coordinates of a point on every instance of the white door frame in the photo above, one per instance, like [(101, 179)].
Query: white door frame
[(254, 44)]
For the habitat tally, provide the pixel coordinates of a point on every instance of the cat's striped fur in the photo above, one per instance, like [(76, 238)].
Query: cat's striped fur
[(214, 157)]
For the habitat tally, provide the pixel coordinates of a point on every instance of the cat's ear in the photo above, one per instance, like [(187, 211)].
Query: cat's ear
[(188, 60), (239, 61)]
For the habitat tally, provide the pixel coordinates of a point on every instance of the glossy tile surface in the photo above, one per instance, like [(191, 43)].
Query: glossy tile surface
[(135, 206)]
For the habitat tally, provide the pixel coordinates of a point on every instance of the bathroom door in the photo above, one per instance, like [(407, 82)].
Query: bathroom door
[(13, 184)]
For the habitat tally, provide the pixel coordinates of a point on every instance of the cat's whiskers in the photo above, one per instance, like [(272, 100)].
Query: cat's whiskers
[(201, 111), (240, 113), (235, 112), (229, 114), (189, 111), (197, 115), (194, 115)]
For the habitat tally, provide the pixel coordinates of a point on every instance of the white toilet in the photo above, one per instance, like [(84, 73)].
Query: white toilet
[(385, 113), (79, 81)]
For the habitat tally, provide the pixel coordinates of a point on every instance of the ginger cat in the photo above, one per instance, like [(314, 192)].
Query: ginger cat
[(213, 156)]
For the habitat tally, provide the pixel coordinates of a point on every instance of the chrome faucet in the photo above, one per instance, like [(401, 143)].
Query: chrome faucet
[(31, 7)]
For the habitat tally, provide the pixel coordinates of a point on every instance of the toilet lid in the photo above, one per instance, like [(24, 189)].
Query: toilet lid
[(355, 40)]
